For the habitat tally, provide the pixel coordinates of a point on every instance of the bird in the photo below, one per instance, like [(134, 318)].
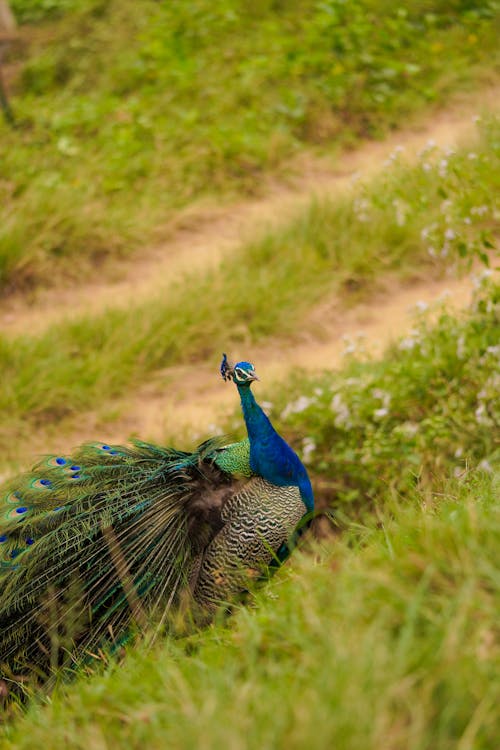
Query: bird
[(112, 537)]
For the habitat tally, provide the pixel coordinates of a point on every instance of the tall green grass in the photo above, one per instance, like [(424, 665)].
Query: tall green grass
[(381, 640), (129, 110), (429, 214)]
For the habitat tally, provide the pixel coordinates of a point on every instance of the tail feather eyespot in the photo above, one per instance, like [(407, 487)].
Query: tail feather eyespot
[(56, 462), (18, 513)]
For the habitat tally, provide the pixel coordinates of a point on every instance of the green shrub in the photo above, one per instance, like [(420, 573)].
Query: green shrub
[(426, 411), (31, 11)]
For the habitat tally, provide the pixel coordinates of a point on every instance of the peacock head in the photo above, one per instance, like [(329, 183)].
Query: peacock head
[(242, 373)]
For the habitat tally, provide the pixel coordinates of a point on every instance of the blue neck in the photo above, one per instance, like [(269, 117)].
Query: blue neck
[(270, 456)]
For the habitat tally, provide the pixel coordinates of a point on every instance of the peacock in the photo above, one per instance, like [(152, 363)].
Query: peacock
[(114, 537)]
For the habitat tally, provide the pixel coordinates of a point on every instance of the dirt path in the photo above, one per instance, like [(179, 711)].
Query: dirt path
[(203, 238), (188, 403), (185, 405), (196, 401)]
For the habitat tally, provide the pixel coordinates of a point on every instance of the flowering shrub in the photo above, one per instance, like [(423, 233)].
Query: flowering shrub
[(448, 201), (430, 407)]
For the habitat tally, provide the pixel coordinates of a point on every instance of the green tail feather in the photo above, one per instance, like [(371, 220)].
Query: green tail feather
[(93, 542)]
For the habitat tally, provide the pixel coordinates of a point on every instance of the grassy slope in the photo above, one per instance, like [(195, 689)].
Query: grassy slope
[(132, 109), (442, 207), (383, 640), (427, 410)]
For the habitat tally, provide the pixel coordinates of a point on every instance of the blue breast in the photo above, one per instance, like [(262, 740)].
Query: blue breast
[(270, 456)]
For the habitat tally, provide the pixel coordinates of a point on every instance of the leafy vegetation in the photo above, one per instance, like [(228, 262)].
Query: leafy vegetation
[(30, 11), (129, 110), (426, 214), (382, 639), (428, 410)]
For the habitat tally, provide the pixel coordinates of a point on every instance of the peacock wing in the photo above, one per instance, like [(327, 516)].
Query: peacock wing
[(257, 520)]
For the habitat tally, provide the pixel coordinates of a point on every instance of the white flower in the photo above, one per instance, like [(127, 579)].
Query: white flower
[(409, 428), (401, 210), (461, 347), (443, 166), (450, 234), (296, 407), (479, 210), (380, 413), (482, 415), (485, 465), (459, 452), (361, 207), (472, 156), (445, 205), (394, 155), (479, 279), (421, 306), (426, 166), (407, 344), (341, 411), (308, 448), (349, 349), (467, 220)]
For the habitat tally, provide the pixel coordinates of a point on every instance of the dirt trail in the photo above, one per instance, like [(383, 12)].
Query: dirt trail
[(186, 403), (195, 400), (203, 238)]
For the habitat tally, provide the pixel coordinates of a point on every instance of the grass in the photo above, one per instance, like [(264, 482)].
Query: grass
[(381, 640), (428, 214), (128, 111)]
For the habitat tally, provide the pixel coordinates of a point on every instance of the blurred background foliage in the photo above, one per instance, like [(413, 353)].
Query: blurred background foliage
[(128, 110)]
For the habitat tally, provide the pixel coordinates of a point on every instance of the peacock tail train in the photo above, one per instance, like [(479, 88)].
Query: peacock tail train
[(113, 537)]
